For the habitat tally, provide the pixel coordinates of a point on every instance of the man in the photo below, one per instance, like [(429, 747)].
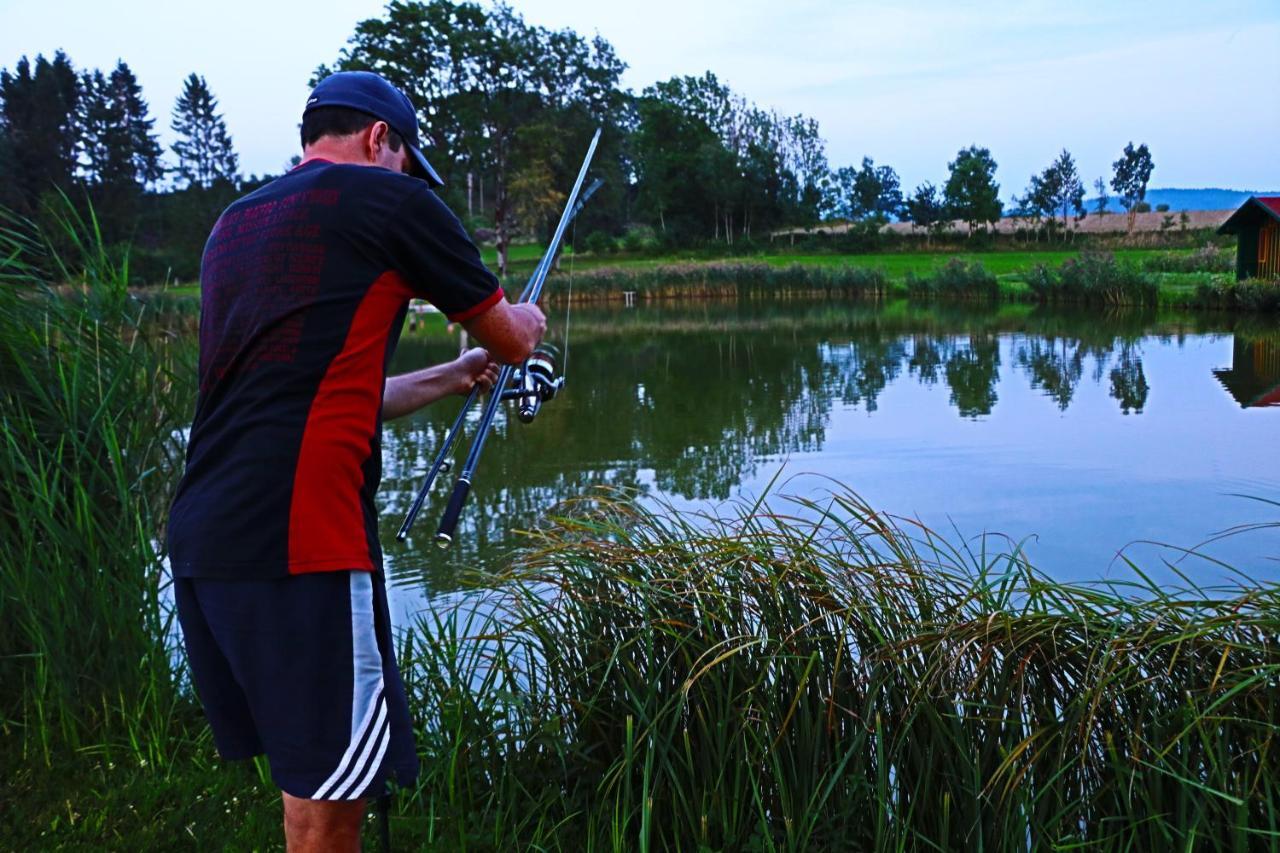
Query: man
[(273, 533)]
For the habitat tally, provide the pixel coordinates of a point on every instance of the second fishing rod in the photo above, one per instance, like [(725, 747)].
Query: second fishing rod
[(534, 382)]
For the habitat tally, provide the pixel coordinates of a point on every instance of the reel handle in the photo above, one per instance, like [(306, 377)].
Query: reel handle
[(452, 512)]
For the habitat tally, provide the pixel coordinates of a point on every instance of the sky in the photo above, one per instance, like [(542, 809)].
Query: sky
[(906, 83)]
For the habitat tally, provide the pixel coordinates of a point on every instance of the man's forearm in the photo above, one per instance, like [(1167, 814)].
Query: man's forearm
[(408, 392)]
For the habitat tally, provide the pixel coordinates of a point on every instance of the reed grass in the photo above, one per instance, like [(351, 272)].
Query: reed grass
[(1251, 295), (957, 279), (707, 280), (1094, 278), (92, 401), (830, 678)]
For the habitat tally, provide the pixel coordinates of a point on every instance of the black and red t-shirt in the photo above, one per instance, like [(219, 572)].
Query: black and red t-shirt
[(304, 286)]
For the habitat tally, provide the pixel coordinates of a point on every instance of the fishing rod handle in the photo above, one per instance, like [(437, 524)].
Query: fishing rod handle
[(452, 512), (439, 465)]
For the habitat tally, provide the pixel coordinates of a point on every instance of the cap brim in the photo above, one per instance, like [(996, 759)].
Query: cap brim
[(422, 169)]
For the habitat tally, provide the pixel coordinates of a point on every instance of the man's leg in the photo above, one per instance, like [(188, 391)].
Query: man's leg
[(316, 826)]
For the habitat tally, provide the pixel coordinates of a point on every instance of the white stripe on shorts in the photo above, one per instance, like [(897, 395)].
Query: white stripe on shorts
[(368, 705)]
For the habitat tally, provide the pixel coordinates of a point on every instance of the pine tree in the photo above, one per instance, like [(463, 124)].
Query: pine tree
[(142, 147), (40, 128), (205, 155)]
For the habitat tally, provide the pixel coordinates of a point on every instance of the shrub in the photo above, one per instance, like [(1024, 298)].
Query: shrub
[(600, 243), (1094, 278), (1253, 294), (1208, 258), (728, 279), (957, 279)]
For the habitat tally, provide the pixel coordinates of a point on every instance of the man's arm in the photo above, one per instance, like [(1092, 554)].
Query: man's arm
[(510, 332), (408, 392)]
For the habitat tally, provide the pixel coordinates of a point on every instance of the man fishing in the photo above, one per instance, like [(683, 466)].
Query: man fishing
[(273, 535)]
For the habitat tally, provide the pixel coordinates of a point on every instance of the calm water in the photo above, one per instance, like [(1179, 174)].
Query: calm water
[(1076, 434)]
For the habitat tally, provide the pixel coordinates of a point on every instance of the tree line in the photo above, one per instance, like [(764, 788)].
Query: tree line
[(507, 108)]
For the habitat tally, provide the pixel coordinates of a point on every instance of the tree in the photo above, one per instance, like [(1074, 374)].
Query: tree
[(868, 192), (38, 123), (1131, 173), (205, 154), (1064, 189), (478, 77), (117, 148), (925, 209), (971, 192), (1100, 203)]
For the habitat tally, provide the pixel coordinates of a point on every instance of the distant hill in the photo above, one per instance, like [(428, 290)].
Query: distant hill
[(1178, 199)]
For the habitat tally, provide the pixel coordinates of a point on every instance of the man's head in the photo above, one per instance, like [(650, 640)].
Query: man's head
[(360, 112)]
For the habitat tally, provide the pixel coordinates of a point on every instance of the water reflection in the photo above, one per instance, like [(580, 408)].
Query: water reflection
[(696, 402), (1254, 376)]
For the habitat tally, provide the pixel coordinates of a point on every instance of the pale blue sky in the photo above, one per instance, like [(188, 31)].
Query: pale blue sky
[(906, 83)]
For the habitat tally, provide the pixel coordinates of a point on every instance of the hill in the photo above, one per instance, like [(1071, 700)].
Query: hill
[(1211, 198)]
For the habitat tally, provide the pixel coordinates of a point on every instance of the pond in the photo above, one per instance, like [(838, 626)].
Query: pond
[(1073, 435)]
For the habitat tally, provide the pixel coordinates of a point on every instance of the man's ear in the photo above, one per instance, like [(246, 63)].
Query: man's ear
[(376, 139)]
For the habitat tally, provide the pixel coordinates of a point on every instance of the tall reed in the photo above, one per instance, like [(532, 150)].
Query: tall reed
[(92, 398), (704, 280), (827, 678)]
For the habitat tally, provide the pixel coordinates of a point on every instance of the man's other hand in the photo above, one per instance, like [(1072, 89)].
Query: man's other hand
[(474, 367)]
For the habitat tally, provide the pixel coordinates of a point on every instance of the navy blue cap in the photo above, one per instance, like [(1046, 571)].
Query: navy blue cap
[(371, 93)]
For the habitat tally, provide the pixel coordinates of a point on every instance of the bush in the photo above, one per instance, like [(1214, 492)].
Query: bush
[(1253, 294), (1095, 278), (638, 238), (1207, 258), (956, 280), (600, 243), (728, 279), (1162, 208)]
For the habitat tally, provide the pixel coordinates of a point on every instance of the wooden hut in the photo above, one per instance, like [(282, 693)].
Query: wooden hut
[(1257, 228)]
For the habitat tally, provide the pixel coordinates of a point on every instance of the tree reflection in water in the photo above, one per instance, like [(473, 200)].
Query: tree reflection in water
[(691, 400)]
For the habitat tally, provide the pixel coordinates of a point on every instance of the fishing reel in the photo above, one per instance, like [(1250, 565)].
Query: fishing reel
[(535, 382)]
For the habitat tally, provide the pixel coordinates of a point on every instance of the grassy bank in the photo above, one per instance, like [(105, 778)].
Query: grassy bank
[(817, 676)]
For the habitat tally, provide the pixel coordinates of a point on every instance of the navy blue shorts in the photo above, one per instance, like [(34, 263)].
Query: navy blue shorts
[(303, 669)]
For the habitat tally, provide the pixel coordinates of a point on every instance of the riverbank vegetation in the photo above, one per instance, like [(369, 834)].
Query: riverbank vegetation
[(798, 675)]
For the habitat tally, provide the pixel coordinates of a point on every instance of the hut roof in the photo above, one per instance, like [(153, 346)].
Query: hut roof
[(1258, 206)]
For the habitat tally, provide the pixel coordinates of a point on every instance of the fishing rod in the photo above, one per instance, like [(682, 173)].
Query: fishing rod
[(531, 384)]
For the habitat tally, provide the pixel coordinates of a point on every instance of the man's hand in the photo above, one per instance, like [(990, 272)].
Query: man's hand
[(473, 367), (411, 391)]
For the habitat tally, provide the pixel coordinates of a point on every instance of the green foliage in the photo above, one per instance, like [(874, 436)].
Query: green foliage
[(205, 155), (1208, 258), (38, 127), (727, 279), (1057, 191), (971, 193), (1253, 294), (493, 91), (93, 402), (925, 209), (957, 279), (1130, 175), (1094, 278), (600, 243), (869, 192), (813, 679)]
